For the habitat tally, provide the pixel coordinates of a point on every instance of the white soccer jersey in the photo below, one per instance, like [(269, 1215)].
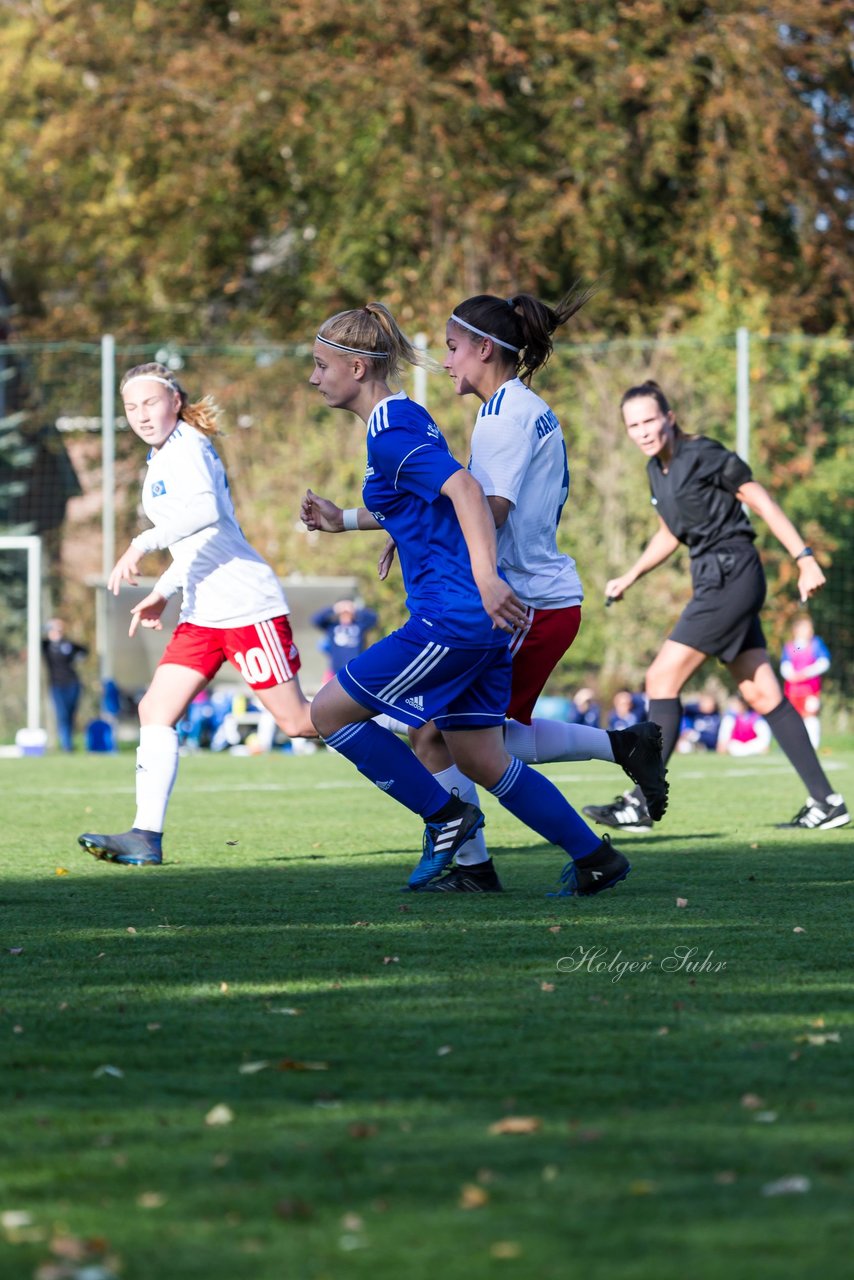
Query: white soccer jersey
[(518, 453), (185, 495)]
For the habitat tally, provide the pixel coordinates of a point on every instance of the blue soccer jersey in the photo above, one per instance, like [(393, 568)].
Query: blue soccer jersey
[(408, 462)]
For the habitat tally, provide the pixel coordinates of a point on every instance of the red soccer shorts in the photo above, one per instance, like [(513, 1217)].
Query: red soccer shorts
[(536, 650), (805, 702), (264, 652)]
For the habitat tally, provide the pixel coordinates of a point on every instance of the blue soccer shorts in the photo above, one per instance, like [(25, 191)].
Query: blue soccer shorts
[(415, 679)]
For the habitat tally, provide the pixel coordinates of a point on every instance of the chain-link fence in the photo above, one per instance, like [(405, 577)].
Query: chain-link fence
[(280, 438)]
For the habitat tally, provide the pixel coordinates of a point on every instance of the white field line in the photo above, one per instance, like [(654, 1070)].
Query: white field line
[(593, 774)]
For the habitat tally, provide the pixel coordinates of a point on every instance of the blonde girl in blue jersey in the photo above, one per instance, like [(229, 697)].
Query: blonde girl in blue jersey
[(518, 454), (450, 662), (233, 605)]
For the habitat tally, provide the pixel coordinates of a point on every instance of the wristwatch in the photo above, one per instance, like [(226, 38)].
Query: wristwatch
[(802, 555)]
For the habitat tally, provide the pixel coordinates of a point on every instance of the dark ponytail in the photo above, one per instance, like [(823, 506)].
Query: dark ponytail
[(522, 325)]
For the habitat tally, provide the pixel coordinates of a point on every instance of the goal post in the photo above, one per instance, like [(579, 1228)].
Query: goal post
[(31, 546)]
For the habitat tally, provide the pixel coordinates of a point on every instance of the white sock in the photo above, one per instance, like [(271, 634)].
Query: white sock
[(156, 768), (812, 724), (547, 741), (474, 850), (396, 726)]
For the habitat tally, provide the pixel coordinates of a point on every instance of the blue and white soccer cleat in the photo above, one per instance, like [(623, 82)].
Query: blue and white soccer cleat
[(601, 869), (443, 839), (131, 848)]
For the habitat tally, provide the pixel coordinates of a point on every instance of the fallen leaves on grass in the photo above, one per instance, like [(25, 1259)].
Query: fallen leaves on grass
[(62, 871), (108, 1070), (362, 1129), (752, 1101), (819, 1038), (794, 1185), (726, 1177), (251, 1068), (291, 1209), (472, 1196), (766, 1117), (16, 951), (444, 1049), (293, 1064), (547, 986), (505, 1249), (681, 902), (642, 1187), (516, 1124), (12, 1219), (219, 1115), (151, 1200), (391, 959), (798, 929), (78, 1259), (290, 1013)]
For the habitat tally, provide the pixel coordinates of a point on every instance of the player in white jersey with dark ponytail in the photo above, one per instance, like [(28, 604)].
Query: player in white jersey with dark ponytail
[(495, 346), (233, 609)]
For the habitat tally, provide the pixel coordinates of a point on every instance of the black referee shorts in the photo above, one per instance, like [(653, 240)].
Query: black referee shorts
[(722, 616)]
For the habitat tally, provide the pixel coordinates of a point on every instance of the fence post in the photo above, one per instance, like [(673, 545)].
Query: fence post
[(419, 385), (108, 482), (742, 393)]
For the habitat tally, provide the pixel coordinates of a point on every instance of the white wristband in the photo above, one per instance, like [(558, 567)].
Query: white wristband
[(350, 518)]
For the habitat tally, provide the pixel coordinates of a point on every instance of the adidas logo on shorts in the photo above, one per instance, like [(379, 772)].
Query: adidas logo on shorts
[(417, 702)]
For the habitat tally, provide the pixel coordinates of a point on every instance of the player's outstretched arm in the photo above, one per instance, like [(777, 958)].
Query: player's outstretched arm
[(321, 515), (661, 545), (810, 575)]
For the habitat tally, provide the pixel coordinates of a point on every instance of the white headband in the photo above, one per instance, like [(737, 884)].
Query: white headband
[(150, 377), (356, 351), (458, 320)]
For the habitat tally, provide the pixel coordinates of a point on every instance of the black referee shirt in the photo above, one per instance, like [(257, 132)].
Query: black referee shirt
[(695, 497)]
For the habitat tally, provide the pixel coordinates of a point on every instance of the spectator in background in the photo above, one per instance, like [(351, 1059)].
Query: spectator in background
[(585, 709), (743, 732), (805, 660), (626, 712), (61, 656), (345, 627), (701, 725)]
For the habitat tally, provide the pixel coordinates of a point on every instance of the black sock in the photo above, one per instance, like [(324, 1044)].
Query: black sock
[(790, 731), (667, 714), (449, 810)]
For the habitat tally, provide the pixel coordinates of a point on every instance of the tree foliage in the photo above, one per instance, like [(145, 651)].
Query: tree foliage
[(248, 167)]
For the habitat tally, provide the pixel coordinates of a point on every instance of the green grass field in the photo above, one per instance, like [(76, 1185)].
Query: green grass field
[(668, 1064)]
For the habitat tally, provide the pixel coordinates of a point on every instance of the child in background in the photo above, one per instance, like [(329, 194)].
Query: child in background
[(743, 732), (805, 660)]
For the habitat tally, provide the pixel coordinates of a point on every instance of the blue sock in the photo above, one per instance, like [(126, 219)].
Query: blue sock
[(537, 802), (387, 762)]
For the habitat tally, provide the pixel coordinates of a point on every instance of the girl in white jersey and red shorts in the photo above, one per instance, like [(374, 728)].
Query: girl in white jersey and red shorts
[(233, 606), (518, 454)]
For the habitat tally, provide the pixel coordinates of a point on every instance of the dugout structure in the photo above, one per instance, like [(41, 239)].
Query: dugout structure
[(29, 547), (131, 662)]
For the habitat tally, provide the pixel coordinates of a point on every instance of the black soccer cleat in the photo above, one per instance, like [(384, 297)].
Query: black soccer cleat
[(442, 839), (601, 869), (637, 750), (625, 813), (820, 815), (131, 848), (482, 878)]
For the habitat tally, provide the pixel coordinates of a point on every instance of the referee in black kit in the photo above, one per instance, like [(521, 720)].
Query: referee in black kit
[(698, 487)]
